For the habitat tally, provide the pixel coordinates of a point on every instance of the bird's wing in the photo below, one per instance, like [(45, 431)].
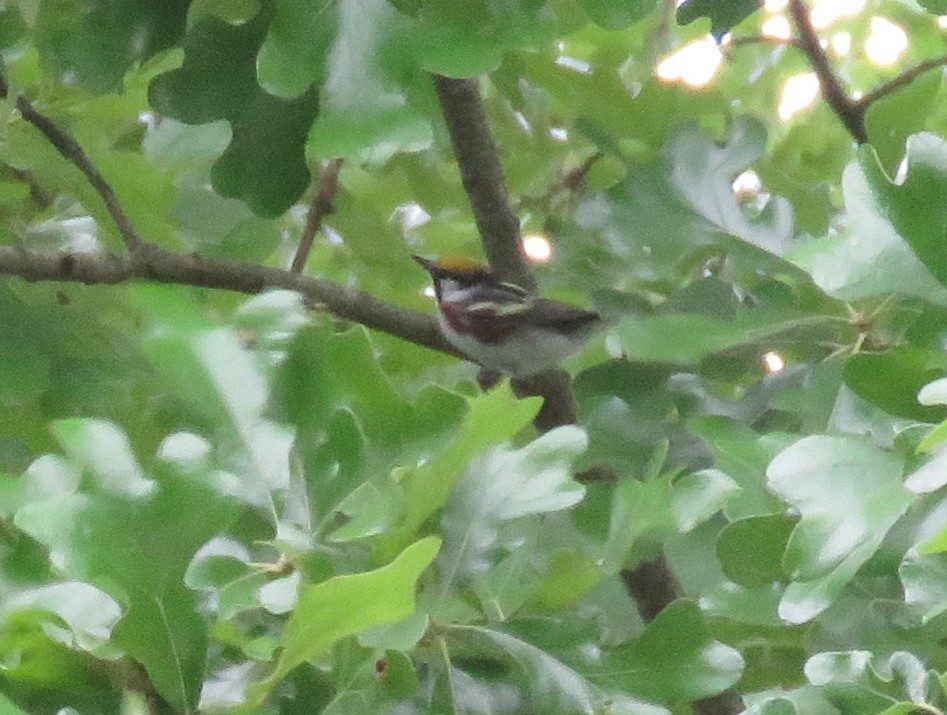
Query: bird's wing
[(543, 311)]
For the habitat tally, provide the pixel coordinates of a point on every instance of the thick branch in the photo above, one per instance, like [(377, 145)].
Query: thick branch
[(851, 114), (653, 586), (322, 205), (72, 152), (154, 264), (482, 177)]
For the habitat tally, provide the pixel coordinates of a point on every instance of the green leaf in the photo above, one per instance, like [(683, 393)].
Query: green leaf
[(458, 41), (676, 660), (933, 394), (222, 384), (491, 419), (859, 681), (370, 119), (723, 14), (687, 338), (12, 27), (344, 605), (743, 455), (465, 40), (506, 485), (641, 512), (703, 174), (644, 513), (94, 43), (846, 267), (913, 207), (934, 545), (892, 379), (848, 493), (615, 14), (554, 686), (235, 12), (263, 164), (134, 542), (8, 708), (924, 577), (751, 550), (103, 449), (929, 476), (296, 51), (87, 613), (892, 119), (700, 495), (47, 477)]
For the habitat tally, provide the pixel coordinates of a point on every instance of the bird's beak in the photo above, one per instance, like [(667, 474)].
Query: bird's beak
[(424, 263)]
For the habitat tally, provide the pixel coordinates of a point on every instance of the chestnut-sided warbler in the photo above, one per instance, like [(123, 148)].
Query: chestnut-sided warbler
[(501, 325)]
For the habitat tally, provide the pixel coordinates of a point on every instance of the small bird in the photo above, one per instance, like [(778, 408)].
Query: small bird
[(500, 325)]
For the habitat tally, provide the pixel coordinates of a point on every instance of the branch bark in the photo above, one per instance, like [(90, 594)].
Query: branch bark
[(851, 114), (69, 148), (482, 176), (154, 264), (322, 205), (899, 82), (652, 585)]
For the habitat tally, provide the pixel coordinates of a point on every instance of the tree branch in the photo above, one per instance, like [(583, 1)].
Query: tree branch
[(154, 264), (482, 176), (571, 182), (762, 40), (851, 114), (38, 194), (71, 151), (499, 228), (322, 206), (899, 82), (653, 585)]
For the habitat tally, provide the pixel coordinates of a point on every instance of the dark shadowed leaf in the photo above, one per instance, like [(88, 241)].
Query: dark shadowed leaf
[(723, 14)]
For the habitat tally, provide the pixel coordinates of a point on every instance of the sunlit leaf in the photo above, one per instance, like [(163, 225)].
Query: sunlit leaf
[(345, 605), (848, 494)]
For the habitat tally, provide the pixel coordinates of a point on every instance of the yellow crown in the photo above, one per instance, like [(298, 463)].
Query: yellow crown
[(459, 264)]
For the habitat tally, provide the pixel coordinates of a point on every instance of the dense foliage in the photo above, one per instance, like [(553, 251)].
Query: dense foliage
[(217, 502)]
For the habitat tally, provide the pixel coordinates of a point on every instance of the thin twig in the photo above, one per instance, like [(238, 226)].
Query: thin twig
[(570, 182), (71, 151), (482, 176), (844, 106), (157, 265), (899, 82), (322, 205), (40, 196), (763, 40)]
